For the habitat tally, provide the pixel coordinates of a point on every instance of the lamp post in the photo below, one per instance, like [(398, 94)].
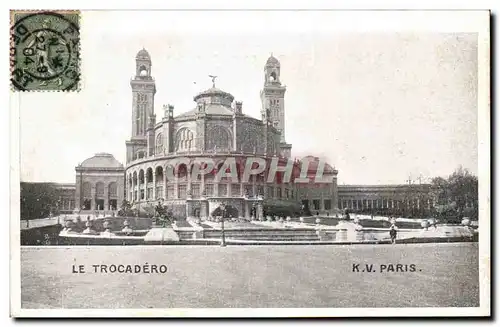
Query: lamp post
[(223, 236)]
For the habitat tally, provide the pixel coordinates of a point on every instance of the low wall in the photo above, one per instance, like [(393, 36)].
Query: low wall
[(96, 240), (116, 223)]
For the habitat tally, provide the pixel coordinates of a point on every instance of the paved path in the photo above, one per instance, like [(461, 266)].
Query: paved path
[(256, 276)]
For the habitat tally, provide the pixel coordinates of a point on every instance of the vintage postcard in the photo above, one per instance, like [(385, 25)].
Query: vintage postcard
[(190, 163)]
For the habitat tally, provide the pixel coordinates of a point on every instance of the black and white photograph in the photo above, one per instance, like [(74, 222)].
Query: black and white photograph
[(249, 163)]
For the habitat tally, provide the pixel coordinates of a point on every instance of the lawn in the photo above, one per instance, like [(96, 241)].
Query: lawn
[(252, 276)]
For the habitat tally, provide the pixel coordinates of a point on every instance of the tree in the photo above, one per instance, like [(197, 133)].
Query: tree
[(126, 209), (456, 195), (38, 200), (463, 189)]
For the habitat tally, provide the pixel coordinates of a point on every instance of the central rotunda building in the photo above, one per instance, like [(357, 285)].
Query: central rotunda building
[(216, 128)]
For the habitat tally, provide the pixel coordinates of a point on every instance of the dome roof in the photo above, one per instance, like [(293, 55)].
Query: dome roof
[(143, 54), (219, 103), (214, 91), (101, 160), (272, 61), (211, 109)]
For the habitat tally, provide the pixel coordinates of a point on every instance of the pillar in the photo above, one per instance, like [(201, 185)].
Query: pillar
[(78, 196), (203, 209), (260, 210), (165, 183), (134, 189), (106, 197), (131, 190), (154, 184), (176, 187), (202, 185), (247, 210), (188, 181), (188, 209), (93, 204)]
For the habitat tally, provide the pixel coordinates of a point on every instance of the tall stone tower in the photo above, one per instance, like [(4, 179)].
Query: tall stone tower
[(273, 101), (143, 93)]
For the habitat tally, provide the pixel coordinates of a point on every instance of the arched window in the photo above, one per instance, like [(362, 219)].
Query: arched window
[(159, 174), (159, 143), (184, 139), (140, 154), (141, 177), (99, 189), (250, 140), (219, 138), (141, 113), (149, 175), (143, 71), (87, 190), (112, 190)]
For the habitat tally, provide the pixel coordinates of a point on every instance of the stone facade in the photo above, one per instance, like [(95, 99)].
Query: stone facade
[(405, 197), (319, 197), (99, 183), (217, 128)]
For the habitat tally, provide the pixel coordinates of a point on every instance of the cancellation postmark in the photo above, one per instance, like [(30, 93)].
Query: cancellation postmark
[(44, 51)]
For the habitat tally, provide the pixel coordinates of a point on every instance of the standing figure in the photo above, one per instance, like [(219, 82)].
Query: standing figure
[(393, 233)]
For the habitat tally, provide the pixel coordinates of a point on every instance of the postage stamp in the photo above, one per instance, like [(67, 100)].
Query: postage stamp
[(214, 167), (45, 50)]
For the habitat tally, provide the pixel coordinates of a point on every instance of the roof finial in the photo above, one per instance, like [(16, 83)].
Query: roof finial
[(213, 77)]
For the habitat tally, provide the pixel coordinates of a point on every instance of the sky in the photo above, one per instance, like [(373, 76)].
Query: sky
[(382, 103)]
